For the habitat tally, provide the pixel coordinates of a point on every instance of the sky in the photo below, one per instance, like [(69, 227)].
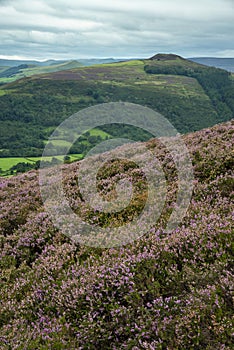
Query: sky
[(73, 29)]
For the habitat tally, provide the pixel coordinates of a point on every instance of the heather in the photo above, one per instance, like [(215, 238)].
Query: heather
[(163, 291)]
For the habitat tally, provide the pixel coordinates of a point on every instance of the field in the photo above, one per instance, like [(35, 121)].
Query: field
[(7, 163)]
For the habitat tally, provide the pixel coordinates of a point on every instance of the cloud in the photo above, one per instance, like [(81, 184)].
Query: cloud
[(60, 29)]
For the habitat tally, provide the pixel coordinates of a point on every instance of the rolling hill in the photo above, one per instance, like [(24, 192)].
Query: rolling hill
[(15, 63), (6, 66), (12, 70), (27, 70), (84, 61), (190, 95), (163, 291)]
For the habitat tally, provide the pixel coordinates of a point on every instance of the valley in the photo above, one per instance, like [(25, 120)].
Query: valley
[(190, 95)]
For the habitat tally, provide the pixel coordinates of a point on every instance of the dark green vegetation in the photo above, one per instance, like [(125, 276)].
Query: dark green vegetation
[(217, 83), (9, 72), (190, 95)]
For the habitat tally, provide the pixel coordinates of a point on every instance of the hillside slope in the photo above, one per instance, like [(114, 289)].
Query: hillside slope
[(25, 70), (165, 291), (190, 95), (12, 70)]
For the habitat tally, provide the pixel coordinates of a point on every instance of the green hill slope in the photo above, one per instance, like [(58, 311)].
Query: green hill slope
[(17, 72), (190, 95)]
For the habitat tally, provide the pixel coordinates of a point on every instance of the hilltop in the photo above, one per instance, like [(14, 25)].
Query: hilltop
[(166, 57), (164, 291)]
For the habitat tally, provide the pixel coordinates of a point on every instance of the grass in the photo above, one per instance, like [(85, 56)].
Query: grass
[(64, 143), (75, 157), (7, 80), (97, 132), (7, 163), (2, 68), (49, 158), (132, 63), (59, 143), (2, 92), (28, 72)]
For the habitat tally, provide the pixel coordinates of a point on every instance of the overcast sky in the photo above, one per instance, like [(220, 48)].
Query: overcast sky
[(43, 29)]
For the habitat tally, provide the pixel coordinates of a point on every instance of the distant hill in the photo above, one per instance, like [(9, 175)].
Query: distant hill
[(84, 61), (224, 63), (166, 57), (93, 61), (11, 74), (11, 70), (14, 63)]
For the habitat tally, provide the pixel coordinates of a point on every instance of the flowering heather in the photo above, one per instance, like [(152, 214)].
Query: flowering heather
[(164, 291)]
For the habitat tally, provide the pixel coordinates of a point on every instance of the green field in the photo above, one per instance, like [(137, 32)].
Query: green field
[(2, 92), (60, 143), (97, 132), (7, 163)]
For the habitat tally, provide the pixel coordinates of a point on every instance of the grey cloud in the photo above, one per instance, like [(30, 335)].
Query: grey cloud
[(54, 28)]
